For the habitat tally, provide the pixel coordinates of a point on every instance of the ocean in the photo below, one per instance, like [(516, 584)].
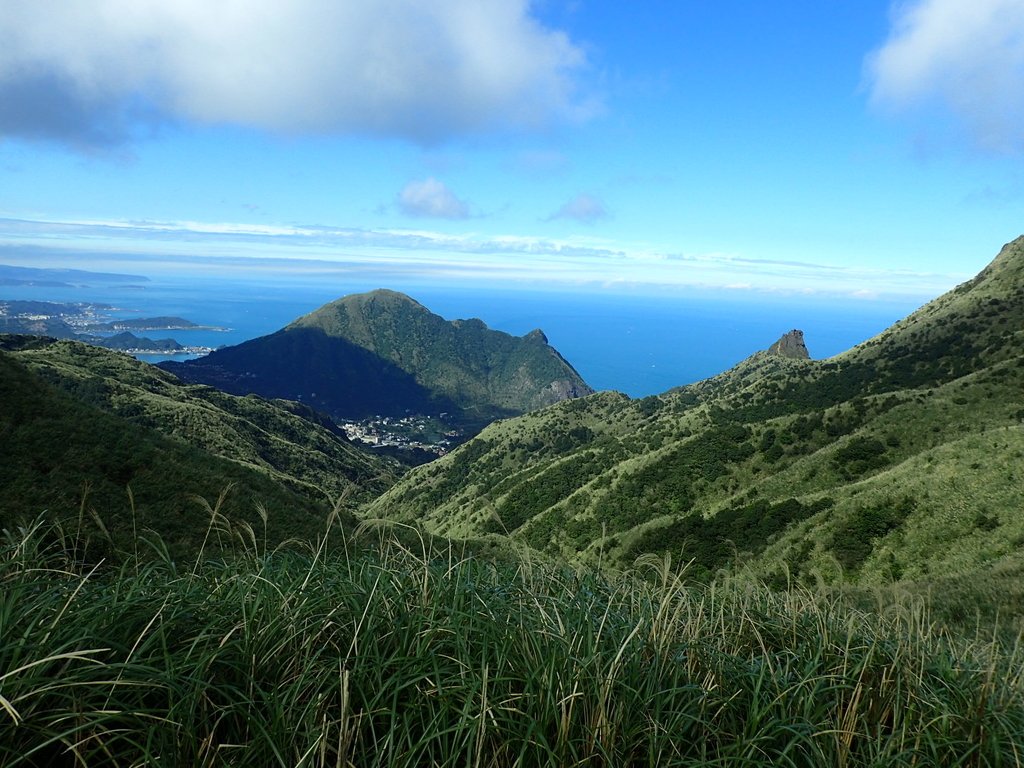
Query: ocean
[(639, 345)]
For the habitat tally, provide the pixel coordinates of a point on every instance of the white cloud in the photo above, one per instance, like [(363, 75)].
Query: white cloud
[(966, 56), (864, 293), (431, 198), (89, 71), (583, 208)]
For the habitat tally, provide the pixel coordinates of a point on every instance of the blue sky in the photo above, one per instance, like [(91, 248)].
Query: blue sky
[(862, 150)]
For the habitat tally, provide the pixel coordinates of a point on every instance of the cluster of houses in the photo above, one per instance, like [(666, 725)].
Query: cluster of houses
[(399, 432)]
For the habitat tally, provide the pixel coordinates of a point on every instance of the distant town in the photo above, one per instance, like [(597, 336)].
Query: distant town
[(414, 432)]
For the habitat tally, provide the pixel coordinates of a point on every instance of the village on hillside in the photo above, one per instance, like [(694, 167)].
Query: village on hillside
[(410, 432)]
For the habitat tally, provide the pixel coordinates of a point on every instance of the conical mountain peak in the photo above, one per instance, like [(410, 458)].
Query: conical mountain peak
[(382, 352)]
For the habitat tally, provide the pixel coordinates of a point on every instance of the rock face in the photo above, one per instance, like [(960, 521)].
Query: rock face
[(791, 345)]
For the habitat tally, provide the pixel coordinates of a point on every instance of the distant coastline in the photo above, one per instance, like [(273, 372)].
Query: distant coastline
[(89, 322)]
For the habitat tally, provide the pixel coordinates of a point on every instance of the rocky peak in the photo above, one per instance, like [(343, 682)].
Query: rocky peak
[(791, 345)]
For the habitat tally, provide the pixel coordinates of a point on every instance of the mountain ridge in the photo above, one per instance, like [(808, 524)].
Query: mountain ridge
[(382, 352), (778, 466)]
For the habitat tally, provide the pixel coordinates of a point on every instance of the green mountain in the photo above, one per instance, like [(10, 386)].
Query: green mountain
[(79, 421), (382, 353), (898, 459)]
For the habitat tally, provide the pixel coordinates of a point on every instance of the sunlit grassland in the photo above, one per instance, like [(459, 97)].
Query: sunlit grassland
[(388, 650)]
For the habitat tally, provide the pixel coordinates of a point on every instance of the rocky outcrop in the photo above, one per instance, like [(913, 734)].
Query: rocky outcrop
[(791, 345), (565, 389)]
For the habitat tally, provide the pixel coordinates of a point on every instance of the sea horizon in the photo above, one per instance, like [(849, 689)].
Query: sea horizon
[(636, 344)]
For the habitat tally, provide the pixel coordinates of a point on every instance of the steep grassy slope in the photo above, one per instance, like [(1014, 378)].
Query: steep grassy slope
[(898, 458), (113, 480), (383, 353), (287, 441)]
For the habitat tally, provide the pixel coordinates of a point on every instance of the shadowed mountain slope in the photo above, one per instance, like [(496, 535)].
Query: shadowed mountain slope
[(81, 426), (384, 353), (282, 439), (63, 458), (896, 459)]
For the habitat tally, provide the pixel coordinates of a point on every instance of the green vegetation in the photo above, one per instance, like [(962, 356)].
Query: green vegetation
[(855, 536), (714, 543), (73, 462), (290, 443), (898, 459), (381, 654), (89, 433), (482, 371)]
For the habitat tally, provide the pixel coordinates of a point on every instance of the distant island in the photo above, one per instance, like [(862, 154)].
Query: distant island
[(153, 324), (141, 345), (82, 321)]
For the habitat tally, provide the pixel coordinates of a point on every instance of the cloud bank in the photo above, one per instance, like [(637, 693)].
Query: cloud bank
[(381, 254), (966, 57), (91, 72)]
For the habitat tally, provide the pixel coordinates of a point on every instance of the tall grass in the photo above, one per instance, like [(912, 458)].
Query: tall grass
[(391, 654)]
